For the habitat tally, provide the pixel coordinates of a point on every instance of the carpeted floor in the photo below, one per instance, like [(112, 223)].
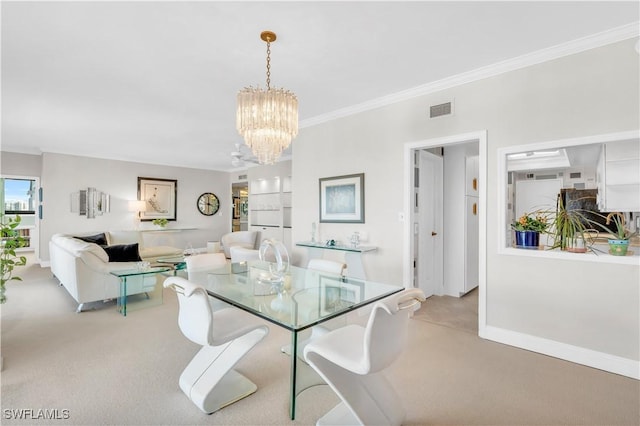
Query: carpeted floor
[(99, 368), (459, 313)]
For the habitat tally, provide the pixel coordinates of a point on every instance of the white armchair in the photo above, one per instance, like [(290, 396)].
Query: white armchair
[(351, 360), (245, 239), (209, 380)]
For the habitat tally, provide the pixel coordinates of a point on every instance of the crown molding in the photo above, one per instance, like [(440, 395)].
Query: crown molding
[(604, 38)]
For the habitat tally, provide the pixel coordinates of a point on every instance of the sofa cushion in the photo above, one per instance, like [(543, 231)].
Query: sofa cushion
[(154, 252), (125, 237), (99, 239), (123, 253)]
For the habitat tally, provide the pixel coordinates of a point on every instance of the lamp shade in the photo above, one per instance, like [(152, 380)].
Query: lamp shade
[(137, 206)]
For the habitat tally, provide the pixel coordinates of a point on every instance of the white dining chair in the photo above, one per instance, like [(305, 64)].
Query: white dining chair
[(199, 266), (319, 265), (209, 380), (352, 360), (325, 265)]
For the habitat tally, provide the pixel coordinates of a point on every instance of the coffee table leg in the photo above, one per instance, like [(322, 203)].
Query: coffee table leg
[(123, 297)]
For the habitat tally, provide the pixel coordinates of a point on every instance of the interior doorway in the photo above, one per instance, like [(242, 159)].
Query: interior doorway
[(456, 244), (240, 203)]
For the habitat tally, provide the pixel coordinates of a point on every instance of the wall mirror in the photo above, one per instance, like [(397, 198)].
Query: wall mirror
[(90, 203)]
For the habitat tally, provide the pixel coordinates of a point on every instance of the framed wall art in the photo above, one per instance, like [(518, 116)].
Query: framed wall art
[(342, 199), (160, 195)]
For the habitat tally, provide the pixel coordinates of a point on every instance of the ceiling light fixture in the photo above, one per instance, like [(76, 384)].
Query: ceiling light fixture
[(267, 119)]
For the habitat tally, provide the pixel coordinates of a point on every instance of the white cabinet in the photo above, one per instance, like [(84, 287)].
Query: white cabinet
[(270, 208), (471, 229), (618, 176), (471, 175), (471, 266)]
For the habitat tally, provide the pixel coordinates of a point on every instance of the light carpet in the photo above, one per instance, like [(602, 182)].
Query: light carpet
[(105, 369)]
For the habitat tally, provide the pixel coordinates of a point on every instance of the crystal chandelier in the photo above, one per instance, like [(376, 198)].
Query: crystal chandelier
[(267, 119)]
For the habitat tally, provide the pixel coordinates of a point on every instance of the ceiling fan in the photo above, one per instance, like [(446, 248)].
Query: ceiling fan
[(239, 158)]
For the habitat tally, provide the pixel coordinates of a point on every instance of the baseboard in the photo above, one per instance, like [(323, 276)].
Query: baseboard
[(46, 264), (600, 360)]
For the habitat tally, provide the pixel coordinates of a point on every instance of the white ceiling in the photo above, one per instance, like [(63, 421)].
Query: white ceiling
[(156, 82)]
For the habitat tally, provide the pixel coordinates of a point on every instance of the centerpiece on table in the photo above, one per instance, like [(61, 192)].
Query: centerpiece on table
[(528, 229)]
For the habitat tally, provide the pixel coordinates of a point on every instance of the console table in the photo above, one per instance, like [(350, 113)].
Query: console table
[(352, 255)]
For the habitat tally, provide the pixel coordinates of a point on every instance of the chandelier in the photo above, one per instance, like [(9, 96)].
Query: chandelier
[(267, 119)]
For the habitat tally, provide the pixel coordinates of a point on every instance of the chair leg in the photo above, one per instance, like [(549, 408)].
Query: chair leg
[(210, 381), (366, 399)]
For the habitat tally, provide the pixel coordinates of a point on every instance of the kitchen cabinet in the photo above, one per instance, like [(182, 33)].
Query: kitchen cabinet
[(618, 176)]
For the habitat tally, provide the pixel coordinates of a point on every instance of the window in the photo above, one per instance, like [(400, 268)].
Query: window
[(19, 196), (534, 176)]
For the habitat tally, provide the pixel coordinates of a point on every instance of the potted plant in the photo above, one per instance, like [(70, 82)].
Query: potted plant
[(570, 229), (528, 228), (160, 222), (618, 245), (10, 240)]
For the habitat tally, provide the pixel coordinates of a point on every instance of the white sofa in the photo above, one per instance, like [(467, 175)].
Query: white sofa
[(83, 268)]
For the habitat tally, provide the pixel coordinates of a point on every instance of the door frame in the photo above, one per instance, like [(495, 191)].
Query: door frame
[(408, 250)]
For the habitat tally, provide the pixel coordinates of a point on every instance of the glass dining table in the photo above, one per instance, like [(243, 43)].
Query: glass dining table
[(297, 301)]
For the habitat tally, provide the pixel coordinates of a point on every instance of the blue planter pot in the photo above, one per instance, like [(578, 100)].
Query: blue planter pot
[(527, 239)]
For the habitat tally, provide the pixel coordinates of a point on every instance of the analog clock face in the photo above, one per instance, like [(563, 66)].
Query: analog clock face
[(208, 204)]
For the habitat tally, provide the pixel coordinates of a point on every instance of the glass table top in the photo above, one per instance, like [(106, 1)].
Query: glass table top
[(301, 299)]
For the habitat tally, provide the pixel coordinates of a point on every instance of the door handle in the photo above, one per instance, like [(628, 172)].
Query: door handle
[(475, 208), (475, 184), (433, 234)]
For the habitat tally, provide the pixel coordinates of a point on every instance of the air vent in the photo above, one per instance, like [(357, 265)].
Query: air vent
[(242, 177), (440, 110), (545, 177), (575, 175)]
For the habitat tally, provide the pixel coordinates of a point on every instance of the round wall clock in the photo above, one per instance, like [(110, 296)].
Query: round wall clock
[(208, 204)]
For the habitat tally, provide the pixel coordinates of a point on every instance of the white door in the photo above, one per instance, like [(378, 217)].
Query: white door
[(430, 260)]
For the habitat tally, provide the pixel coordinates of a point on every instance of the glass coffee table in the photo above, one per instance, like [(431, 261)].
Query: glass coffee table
[(177, 263), (140, 281)]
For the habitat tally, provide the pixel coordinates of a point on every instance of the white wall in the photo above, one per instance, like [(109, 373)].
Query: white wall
[(12, 163), (593, 307), (63, 175)]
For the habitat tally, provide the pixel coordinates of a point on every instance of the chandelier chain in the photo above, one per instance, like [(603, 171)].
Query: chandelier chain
[(268, 65)]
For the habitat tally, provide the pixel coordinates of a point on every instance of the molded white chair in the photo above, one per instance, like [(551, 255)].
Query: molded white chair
[(209, 380), (319, 265), (204, 262), (199, 265), (326, 266), (351, 360)]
